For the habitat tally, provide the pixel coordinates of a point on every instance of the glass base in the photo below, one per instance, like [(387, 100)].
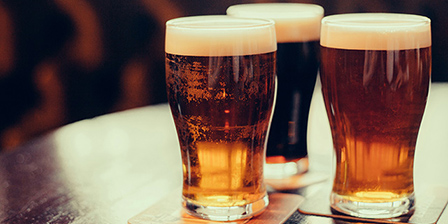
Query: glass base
[(376, 210), (285, 170), (225, 213)]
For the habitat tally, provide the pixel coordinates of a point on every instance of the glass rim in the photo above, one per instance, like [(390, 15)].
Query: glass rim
[(279, 10), (369, 20), (376, 31), (219, 35), (294, 22), (217, 22)]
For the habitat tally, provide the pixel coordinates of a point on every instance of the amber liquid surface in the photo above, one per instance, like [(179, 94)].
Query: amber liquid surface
[(222, 107), (375, 102)]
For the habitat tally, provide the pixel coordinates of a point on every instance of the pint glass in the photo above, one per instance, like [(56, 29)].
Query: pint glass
[(298, 30), (375, 75), (220, 76)]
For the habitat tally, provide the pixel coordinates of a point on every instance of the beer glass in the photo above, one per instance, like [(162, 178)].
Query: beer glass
[(220, 76), (375, 74), (298, 30)]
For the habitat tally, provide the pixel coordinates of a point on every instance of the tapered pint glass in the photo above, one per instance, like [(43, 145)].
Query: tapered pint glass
[(298, 30), (220, 76), (375, 77)]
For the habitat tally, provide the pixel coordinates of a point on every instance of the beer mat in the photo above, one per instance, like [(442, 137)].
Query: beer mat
[(296, 181), (169, 211), (430, 204)]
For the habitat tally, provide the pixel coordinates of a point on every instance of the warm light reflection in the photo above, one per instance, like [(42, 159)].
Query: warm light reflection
[(93, 153), (81, 143), (122, 162), (87, 143), (117, 141)]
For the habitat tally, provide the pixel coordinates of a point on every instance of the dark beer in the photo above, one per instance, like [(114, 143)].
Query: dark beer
[(297, 65), (220, 76), (298, 29), (375, 76)]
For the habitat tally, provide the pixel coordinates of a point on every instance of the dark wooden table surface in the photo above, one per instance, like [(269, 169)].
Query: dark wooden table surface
[(109, 169)]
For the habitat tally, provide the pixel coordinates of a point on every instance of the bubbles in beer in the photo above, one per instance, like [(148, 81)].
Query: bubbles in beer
[(375, 75), (222, 107), (220, 74)]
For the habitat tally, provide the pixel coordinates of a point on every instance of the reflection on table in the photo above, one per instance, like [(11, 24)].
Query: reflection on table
[(110, 168)]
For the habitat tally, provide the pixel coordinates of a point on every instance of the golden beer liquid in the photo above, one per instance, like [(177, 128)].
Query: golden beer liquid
[(220, 76), (375, 76), (222, 108), (375, 113)]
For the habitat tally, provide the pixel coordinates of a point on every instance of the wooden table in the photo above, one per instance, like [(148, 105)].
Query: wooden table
[(109, 169)]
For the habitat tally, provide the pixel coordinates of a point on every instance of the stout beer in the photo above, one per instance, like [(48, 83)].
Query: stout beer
[(220, 75), (375, 78), (298, 29)]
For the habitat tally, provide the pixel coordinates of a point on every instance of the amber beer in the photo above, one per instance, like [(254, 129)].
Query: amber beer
[(375, 78), (220, 75), (298, 30)]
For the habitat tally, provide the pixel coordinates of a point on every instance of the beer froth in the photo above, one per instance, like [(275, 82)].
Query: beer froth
[(219, 36), (294, 22), (375, 31)]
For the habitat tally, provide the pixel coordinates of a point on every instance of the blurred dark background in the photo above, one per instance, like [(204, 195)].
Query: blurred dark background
[(66, 60)]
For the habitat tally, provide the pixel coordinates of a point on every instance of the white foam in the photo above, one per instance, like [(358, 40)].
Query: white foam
[(376, 31), (219, 36), (294, 22)]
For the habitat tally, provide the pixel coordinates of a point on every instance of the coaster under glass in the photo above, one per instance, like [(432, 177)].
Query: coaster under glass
[(429, 202), (376, 210), (225, 213)]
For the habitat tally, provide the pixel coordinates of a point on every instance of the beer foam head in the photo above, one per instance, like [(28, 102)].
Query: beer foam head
[(219, 36), (376, 31), (294, 22)]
